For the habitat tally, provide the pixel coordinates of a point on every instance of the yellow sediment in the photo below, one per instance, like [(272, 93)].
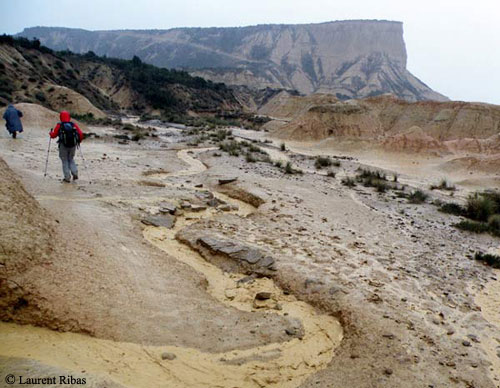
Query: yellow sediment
[(284, 364)]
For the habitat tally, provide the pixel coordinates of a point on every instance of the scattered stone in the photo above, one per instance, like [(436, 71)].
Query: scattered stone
[(199, 185), (166, 207), (185, 205), (223, 181), (237, 251), (225, 208), (214, 202), (230, 293), (388, 371), (165, 221), (246, 279), (473, 337), (450, 332), (265, 304), (263, 295), (198, 208), (388, 336), (168, 356), (291, 331), (466, 343)]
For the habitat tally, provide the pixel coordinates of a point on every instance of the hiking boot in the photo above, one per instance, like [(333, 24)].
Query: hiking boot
[(14, 135), (75, 177), (66, 180)]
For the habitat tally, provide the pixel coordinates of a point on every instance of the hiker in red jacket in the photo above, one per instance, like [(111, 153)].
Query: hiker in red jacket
[(70, 136)]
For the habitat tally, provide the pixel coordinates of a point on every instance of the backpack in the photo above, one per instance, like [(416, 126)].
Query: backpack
[(68, 136)]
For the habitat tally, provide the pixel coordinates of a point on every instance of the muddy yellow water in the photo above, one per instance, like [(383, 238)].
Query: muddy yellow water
[(284, 364)]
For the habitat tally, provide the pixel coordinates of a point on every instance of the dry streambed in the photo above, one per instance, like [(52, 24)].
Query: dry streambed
[(278, 364)]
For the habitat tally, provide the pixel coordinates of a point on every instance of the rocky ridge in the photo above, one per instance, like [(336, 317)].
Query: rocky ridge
[(350, 59)]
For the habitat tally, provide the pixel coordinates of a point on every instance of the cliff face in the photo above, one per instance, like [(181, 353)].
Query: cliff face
[(350, 59)]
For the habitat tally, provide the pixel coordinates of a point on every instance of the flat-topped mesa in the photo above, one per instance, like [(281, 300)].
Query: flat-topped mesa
[(351, 59)]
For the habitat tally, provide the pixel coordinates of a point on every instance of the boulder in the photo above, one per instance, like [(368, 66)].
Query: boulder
[(165, 221), (237, 251)]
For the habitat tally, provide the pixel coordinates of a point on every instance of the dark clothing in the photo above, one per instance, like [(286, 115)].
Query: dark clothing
[(12, 116)]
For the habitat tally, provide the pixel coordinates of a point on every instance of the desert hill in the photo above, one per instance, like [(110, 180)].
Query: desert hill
[(350, 59), (396, 124)]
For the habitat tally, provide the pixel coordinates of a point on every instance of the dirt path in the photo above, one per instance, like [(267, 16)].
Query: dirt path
[(279, 364)]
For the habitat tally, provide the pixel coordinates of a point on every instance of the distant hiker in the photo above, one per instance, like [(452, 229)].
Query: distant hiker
[(70, 136), (12, 118)]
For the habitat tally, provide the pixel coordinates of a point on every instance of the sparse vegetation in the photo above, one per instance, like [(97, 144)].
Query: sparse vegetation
[(40, 96), (331, 174), (443, 185), (348, 181), (283, 147), (289, 169), (480, 207), (322, 161), (489, 259), (417, 197), (451, 208), (376, 179), (482, 211), (232, 147), (250, 158), (89, 118)]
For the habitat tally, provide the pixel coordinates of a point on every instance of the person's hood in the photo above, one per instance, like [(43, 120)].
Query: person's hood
[(65, 117)]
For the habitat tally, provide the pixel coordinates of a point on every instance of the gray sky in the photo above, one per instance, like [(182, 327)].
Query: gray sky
[(453, 45)]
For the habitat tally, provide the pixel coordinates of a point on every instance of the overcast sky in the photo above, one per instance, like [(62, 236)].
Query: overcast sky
[(453, 45)]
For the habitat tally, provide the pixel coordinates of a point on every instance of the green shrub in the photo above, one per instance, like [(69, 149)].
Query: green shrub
[(348, 181), (40, 96), (372, 175), (250, 158), (494, 223), (289, 169), (322, 161), (452, 208), (381, 187), (489, 259), (480, 207), (221, 134), (232, 147), (417, 197), (473, 226)]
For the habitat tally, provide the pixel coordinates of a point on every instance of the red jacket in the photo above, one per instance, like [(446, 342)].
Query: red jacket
[(65, 118)]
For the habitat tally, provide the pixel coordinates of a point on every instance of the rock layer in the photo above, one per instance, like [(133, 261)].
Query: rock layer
[(351, 59)]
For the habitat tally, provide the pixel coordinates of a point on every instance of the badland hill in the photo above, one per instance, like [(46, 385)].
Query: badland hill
[(350, 59)]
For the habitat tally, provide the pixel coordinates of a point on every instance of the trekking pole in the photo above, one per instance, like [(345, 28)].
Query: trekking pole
[(47, 160), (84, 163)]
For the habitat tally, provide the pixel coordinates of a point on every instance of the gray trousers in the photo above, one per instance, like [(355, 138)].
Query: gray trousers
[(68, 163)]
